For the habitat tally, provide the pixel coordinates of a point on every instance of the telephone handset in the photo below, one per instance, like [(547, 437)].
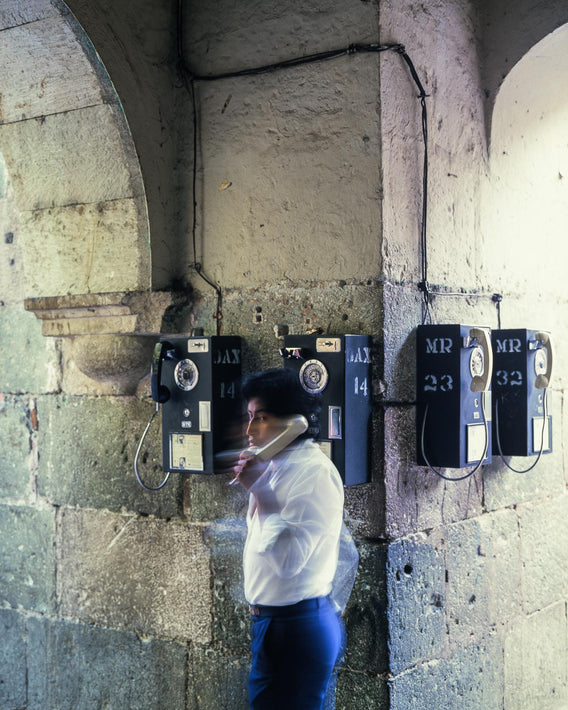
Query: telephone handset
[(293, 427), (543, 360), (160, 393), (481, 360)]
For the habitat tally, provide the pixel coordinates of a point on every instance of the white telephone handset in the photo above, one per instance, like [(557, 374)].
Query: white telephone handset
[(545, 361), (293, 427)]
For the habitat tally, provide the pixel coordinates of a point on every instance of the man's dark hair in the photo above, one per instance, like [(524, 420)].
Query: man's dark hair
[(281, 393)]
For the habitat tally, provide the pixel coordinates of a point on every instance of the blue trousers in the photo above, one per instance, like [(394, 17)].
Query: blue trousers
[(294, 651)]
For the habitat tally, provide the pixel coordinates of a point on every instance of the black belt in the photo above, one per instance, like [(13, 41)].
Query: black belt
[(289, 609)]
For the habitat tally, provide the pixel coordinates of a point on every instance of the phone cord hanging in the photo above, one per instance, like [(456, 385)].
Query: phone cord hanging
[(137, 454), (469, 473), (534, 463)]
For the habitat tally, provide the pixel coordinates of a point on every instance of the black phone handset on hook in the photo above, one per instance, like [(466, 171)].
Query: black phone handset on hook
[(160, 394)]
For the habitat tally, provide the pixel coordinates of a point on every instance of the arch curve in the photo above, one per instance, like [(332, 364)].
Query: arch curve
[(70, 158), (509, 31), (524, 205)]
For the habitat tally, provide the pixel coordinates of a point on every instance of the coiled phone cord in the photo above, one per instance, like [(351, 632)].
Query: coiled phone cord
[(137, 454), (534, 463), (469, 473)]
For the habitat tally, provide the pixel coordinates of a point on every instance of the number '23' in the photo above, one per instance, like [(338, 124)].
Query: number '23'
[(435, 383)]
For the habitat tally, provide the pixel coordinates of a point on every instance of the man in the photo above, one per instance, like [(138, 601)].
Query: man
[(294, 522)]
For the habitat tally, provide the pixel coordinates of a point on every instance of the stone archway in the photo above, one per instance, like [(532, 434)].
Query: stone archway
[(78, 194), (509, 30), (71, 159)]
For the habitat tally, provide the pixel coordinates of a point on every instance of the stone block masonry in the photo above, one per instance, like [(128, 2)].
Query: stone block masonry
[(80, 666), (471, 622), (308, 216), (164, 586), (27, 568)]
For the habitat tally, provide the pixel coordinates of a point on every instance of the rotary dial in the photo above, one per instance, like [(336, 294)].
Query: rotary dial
[(313, 376), (186, 375), (477, 362)]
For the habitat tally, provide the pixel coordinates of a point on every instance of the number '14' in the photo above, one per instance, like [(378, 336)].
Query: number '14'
[(228, 390), (361, 387)]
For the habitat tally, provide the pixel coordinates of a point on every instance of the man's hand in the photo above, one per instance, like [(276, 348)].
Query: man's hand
[(248, 469)]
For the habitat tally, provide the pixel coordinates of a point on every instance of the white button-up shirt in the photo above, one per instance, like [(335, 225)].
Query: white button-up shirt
[(291, 554)]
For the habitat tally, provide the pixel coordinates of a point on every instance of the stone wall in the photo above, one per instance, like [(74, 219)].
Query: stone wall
[(309, 192), (470, 571)]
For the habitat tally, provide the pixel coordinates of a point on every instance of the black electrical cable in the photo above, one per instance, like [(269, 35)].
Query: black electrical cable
[(190, 86), (267, 68), (196, 265), (429, 292), (310, 59), (190, 78), (497, 299), (353, 49), (424, 287)]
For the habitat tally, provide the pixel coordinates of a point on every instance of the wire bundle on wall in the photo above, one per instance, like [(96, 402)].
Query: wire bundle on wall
[(190, 78)]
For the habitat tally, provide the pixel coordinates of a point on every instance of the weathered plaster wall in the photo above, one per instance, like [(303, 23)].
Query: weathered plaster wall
[(297, 147), (309, 201), (289, 222)]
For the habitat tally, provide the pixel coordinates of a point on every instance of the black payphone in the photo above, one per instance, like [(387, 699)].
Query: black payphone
[(197, 381), (522, 373), (339, 369), (453, 368)]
